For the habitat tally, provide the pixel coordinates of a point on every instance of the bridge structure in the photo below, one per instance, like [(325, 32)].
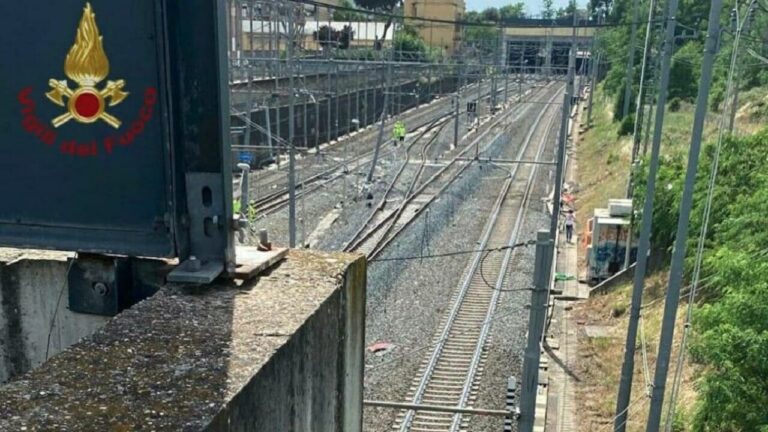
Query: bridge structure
[(543, 45)]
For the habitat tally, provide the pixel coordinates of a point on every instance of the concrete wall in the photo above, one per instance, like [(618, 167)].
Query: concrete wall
[(33, 304), (283, 352)]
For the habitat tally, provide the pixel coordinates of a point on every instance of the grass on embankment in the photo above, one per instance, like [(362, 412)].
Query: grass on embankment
[(603, 172)]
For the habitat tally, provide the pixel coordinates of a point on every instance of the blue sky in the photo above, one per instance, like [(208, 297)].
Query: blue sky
[(532, 6)]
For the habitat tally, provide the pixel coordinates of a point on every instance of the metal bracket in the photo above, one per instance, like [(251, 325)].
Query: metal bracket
[(208, 230), (106, 285)]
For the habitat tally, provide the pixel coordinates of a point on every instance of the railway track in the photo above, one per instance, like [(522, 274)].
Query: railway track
[(384, 225), (449, 374), (277, 199), (381, 214)]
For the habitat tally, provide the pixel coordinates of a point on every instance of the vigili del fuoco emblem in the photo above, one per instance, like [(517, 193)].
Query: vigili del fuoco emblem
[(87, 65)]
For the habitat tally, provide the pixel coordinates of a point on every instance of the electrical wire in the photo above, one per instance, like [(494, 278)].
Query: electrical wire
[(432, 344), (644, 352), (677, 380), (508, 24), (58, 303), (482, 264), (626, 410), (447, 254)]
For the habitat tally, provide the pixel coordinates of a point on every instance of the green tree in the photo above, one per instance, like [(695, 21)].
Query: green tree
[(483, 38), (386, 6), (512, 11), (412, 46), (490, 14), (731, 339), (548, 11), (348, 15), (685, 71), (730, 328)]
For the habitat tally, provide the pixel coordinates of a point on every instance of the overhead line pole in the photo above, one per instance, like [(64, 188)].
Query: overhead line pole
[(291, 144), (639, 109), (563, 139), (734, 79), (386, 104), (686, 204), (537, 316), (641, 92), (595, 66), (628, 365), (457, 109), (630, 60)]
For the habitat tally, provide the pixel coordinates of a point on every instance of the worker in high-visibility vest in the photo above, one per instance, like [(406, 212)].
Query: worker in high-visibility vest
[(398, 132)]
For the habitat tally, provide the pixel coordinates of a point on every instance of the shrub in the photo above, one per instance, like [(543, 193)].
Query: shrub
[(674, 105), (627, 126)]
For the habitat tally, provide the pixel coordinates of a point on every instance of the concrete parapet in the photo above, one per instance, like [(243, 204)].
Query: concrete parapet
[(281, 353), (34, 318)]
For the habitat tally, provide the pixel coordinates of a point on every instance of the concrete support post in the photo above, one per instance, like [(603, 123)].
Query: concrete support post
[(317, 126), (245, 199), (272, 153), (592, 88), (548, 58), (291, 144), (248, 109), (686, 204), (537, 317), (628, 78), (595, 67)]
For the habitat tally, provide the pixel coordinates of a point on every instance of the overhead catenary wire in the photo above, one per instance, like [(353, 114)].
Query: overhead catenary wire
[(677, 380), (461, 252), (529, 23), (421, 348)]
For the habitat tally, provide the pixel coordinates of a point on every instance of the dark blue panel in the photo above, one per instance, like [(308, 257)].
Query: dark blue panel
[(84, 186)]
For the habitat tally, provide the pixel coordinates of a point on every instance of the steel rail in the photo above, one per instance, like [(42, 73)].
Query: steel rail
[(276, 200), (390, 220), (493, 225), (358, 237), (387, 239), (267, 205), (513, 239)]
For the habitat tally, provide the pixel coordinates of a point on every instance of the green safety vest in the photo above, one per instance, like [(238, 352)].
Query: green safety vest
[(398, 130)]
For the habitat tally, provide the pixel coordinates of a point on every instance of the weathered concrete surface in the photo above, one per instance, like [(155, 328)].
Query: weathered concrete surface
[(33, 305), (282, 353)]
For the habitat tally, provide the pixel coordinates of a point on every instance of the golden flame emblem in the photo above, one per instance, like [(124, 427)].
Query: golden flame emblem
[(87, 65)]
